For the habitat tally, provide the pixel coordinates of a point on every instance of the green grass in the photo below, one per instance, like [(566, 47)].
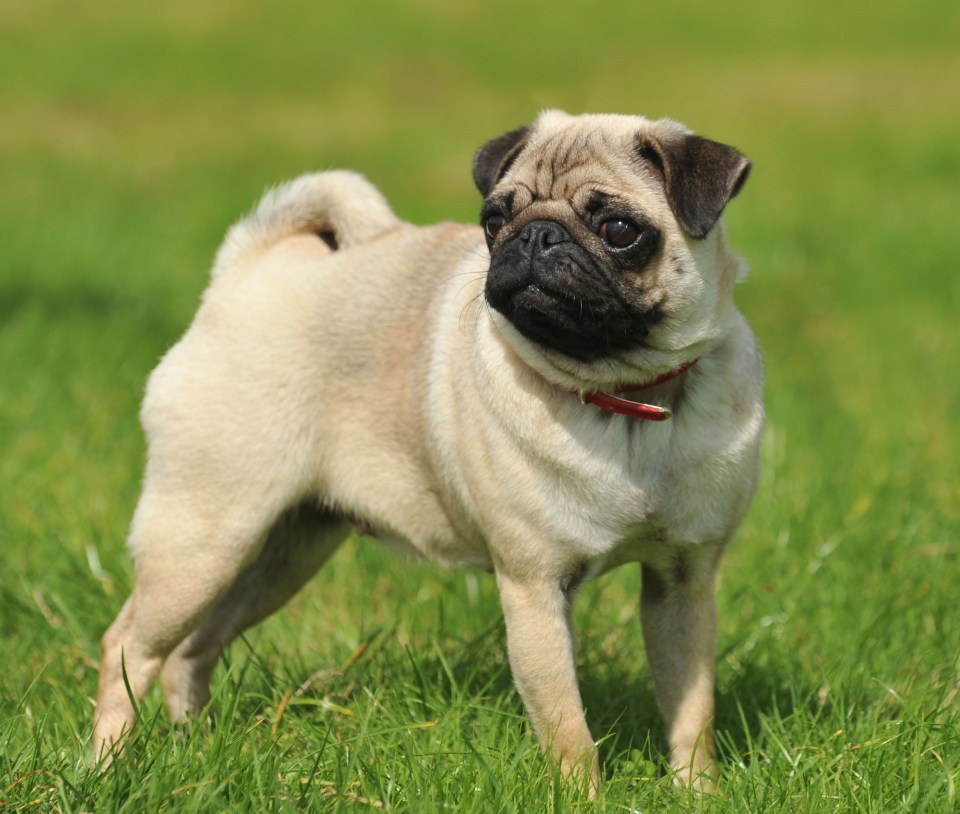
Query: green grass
[(131, 135)]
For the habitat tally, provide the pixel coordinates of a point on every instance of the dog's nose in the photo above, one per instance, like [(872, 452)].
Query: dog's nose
[(540, 235)]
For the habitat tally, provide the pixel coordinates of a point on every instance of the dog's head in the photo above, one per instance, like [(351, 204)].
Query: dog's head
[(607, 260)]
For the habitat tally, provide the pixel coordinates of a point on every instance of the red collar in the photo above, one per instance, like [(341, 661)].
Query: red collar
[(635, 409)]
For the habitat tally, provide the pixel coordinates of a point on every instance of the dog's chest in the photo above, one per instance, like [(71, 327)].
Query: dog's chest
[(618, 490), (608, 488)]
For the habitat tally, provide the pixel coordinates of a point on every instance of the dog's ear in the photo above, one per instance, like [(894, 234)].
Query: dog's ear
[(493, 160), (699, 176)]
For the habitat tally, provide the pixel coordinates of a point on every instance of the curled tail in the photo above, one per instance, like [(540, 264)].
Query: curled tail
[(340, 206)]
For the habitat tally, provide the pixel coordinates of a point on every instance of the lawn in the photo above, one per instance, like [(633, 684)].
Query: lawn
[(132, 135)]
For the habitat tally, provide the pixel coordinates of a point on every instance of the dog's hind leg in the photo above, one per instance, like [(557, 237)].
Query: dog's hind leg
[(298, 544), (189, 548)]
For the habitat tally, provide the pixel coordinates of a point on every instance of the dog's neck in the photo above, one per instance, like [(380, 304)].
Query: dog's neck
[(635, 409)]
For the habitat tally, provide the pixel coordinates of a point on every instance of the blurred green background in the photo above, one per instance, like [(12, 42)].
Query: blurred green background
[(132, 135)]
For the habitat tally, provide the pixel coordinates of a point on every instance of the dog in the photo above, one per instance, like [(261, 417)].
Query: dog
[(565, 389)]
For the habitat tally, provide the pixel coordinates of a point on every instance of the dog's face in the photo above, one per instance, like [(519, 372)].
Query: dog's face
[(604, 256)]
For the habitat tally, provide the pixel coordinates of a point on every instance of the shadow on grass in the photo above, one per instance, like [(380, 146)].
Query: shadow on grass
[(622, 710), (433, 678), (438, 674)]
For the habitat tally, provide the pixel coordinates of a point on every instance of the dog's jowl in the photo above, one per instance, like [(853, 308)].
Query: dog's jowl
[(564, 389)]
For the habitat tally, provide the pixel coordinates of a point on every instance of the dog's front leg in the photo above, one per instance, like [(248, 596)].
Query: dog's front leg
[(679, 621), (540, 645)]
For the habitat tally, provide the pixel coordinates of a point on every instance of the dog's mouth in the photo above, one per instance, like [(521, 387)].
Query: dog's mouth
[(576, 323), (554, 320)]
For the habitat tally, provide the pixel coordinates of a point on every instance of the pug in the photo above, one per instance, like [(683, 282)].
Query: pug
[(564, 389)]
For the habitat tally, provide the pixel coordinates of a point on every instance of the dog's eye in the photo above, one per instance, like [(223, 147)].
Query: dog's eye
[(618, 233), (492, 225)]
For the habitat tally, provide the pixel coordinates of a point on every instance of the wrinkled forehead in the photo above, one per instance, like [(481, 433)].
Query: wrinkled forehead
[(573, 163)]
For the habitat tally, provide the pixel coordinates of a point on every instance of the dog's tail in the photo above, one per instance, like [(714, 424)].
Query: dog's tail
[(341, 207)]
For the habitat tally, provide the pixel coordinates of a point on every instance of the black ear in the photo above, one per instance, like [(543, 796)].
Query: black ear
[(699, 177), (495, 157)]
